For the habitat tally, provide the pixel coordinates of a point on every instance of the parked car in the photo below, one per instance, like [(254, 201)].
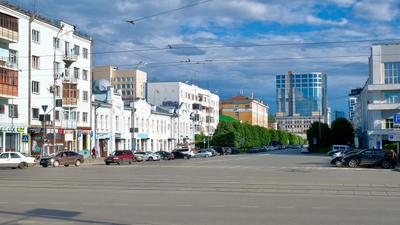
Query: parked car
[(235, 151), (181, 155), (148, 156), (337, 157), (304, 150), (120, 157), (185, 151), (203, 154), (65, 158), (226, 150), (337, 148), (367, 158), (255, 150), (16, 159), (165, 155), (219, 149), (213, 151)]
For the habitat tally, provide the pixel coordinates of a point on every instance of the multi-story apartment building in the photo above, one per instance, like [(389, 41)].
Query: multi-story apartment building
[(246, 109), (54, 62), (380, 98), (352, 102), (202, 104), (132, 83), (301, 100)]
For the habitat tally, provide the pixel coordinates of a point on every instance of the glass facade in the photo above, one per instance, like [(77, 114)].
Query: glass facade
[(392, 75), (392, 97), (301, 93)]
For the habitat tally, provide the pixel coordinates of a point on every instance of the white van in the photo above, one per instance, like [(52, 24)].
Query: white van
[(338, 148)]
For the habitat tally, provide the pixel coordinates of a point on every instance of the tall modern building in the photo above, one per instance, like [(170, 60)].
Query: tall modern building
[(301, 99), (132, 83), (338, 114), (380, 98), (353, 96)]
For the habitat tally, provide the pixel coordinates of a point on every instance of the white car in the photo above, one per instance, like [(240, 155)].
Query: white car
[(148, 156), (16, 159), (202, 154)]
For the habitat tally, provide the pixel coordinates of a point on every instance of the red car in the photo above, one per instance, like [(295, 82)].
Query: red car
[(120, 157)]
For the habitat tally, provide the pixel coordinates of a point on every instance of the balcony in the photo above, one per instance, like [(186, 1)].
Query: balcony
[(69, 78), (69, 102), (6, 63), (8, 28), (69, 124), (382, 105), (8, 83), (383, 87), (70, 95), (69, 58)]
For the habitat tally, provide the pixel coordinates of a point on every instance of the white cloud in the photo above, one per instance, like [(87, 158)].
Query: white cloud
[(384, 10)]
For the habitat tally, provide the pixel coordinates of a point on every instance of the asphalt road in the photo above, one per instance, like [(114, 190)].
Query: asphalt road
[(283, 187)]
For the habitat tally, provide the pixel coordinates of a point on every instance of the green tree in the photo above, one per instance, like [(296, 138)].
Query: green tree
[(342, 132), (321, 133)]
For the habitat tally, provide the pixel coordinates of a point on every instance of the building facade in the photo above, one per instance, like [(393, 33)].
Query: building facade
[(338, 114), (246, 109), (352, 102), (202, 104), (301, 100), (379, 99), (52, 89), (132, 83)]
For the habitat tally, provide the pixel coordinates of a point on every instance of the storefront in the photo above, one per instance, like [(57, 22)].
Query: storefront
[(11, 139), (102, 139), (42, 142)]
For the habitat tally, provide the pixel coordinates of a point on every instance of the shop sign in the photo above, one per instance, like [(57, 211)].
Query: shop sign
[(102, 135), (12, 129), (69, 137), (38, 138), (142, 136)]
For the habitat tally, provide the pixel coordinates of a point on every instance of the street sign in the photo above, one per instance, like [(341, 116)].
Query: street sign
[(394, 137), (396, 118), (79, 134), (25, 138), (44, 107)]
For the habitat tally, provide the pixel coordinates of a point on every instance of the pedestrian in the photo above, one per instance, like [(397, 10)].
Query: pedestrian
[(93, 152), (392, 158)]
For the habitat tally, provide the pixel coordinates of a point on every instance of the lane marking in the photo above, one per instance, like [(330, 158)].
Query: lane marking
[(152, 205), (120, 204), (183, 205), (216, 206), (250, 206), (28, 203), (356, 208), (1, 203), (320, 207), (285, 207), (89, 204)]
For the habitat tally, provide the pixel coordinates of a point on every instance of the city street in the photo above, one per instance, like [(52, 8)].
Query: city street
[(283, 187)]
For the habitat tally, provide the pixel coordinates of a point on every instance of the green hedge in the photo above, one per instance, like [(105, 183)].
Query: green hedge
[(245, 136)]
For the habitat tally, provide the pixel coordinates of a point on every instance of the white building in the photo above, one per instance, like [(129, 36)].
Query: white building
[(202, 104), (46, 53), (380, 97)]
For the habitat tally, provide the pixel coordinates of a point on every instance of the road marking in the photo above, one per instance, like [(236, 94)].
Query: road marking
[(60, 203), (89, 204), (120, 204), (357, 208), (393, 209), (183, 205), (152, 205), (285, 207), (216, 206), (2, 203)]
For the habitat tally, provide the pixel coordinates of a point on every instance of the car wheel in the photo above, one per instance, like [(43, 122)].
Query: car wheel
[(56, 163), (150, 158), (385, 164), (338, 163), (107, 163), (22, 165), (353, 163), (77, 163), (45, 166), (66, 165)]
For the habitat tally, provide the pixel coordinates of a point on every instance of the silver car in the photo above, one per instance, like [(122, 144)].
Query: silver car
[(148, 156)]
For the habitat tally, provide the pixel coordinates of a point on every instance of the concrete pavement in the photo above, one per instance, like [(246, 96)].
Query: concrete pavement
[(276, 188)]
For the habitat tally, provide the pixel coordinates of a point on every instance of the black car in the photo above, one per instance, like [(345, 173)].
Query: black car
[(255, 150), (336, 158), (370, 157), (219, 149), (181, 155), (235, 151), (165, 155)]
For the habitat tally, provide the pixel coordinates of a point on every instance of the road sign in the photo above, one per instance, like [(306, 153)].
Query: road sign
[(394, 137), (44, 107), (25, 138), (396, 118)]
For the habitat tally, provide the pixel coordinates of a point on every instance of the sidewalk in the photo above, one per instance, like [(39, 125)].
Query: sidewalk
[(94, 161)]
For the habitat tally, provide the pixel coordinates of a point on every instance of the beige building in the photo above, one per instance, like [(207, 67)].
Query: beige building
[(132, 83)]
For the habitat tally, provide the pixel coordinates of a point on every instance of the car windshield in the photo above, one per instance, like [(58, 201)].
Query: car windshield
[(116, 153)]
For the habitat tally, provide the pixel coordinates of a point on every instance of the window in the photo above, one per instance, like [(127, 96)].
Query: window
[(84, 74), (76, 73), (4, 156), (15, 156), (35, 87), (389, 123), (85, 117), (57, 117), (117, 123), (76, 50), (35, 113), (35, 36), (56, 42), (57, 67), (13, 57), (78, 117), (77, 94), (35, 62), (13, 111), (85, 95), (392, 73), (57, 91), (85, 53)]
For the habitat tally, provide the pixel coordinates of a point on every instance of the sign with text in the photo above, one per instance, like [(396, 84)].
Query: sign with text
[(394, 137), (396, 118)]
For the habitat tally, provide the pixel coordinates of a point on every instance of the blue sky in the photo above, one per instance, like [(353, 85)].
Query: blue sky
[(235, 22)]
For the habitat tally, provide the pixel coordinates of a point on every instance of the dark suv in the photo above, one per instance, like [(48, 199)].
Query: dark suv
[(120, 157), (371, 157), (62, 158)]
